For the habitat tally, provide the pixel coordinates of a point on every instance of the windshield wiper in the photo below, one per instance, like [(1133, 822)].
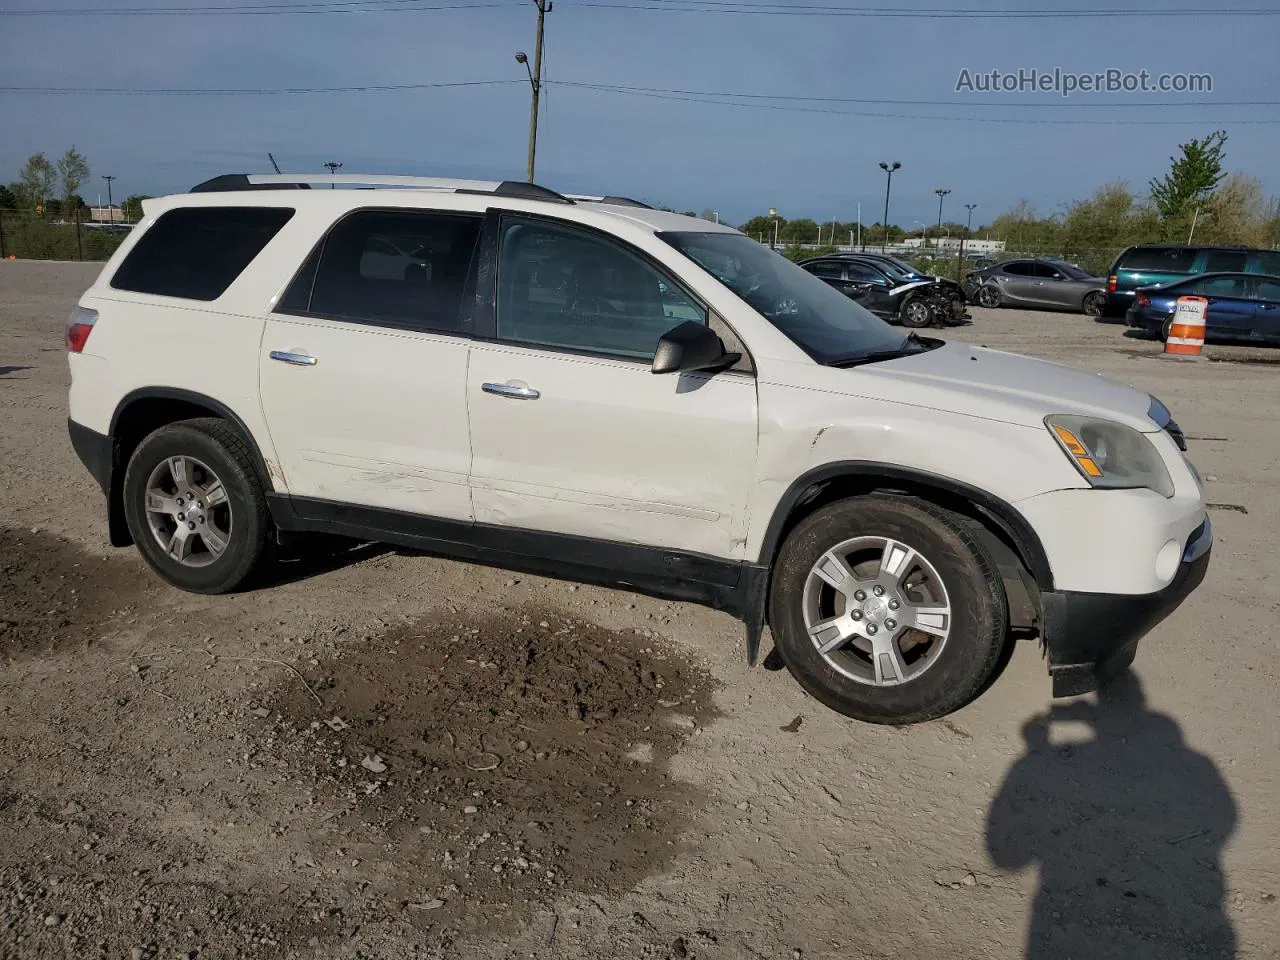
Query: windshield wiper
[(910, 346)]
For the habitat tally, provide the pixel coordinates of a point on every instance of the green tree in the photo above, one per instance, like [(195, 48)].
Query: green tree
[(8, 199), (36, 177), (1192, 177), (73, 171), (131, 207)]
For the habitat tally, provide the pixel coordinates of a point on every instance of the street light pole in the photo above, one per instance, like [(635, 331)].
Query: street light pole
[(111, 217), (888, 169), (968, 229), (535, 82), (333, 166), (941, 192)]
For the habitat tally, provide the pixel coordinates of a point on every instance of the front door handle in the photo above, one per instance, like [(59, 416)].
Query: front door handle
[(299, 359), (511, 390)]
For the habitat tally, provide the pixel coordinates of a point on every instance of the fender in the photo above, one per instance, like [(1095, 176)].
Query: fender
[(1002, 514)]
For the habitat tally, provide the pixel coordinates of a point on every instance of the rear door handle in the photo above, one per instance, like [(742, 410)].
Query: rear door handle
[(299, 359), (511, 390)]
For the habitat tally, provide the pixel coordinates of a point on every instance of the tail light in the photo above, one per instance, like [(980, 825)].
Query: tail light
[(1111, 283), (79, 326), (1142, 299)]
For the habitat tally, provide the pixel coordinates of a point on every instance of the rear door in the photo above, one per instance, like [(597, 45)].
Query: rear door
[(1017, 281), (363, 367), (1231, 308), (571, 431)]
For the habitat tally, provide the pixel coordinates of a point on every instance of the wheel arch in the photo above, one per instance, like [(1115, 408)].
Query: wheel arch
[(1015, 546), (139, 413)]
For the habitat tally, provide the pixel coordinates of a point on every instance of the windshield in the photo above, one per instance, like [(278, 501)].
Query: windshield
[(905, 268), (822, 322)]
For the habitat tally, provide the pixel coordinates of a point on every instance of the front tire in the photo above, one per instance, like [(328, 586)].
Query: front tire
[(888, 610), (917, 313), (989, 297), (195, 506)]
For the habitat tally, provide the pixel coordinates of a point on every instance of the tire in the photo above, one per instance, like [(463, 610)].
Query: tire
[(989, 296), (916, 313), (214, 455), (921, 680), (1094, 304)]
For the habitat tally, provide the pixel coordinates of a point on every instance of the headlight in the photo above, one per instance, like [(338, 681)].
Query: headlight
[(1111, 455)]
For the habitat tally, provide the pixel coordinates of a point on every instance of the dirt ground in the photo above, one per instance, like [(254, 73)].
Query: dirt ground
[(387, 755)]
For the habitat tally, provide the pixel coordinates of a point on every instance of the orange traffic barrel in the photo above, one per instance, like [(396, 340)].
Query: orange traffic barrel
[(1185, 338)]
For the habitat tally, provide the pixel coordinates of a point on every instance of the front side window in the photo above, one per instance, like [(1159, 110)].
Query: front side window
[(571, 289), (821, 321), (196, 253), (398, 268), (864, 274), (1019, 269), (828, 269)]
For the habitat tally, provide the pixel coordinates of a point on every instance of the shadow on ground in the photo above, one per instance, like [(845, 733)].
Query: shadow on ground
[(1127, 831)]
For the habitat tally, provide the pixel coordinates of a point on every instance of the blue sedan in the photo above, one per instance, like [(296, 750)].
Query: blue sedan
[(1242, 306)]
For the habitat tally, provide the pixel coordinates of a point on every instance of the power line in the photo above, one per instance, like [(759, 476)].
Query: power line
[(741, 7), (1058, 102), (795, 108), (817, 10), (303, 7), (243, 92)]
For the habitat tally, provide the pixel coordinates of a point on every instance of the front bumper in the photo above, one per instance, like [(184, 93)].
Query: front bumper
[(1092, 637)]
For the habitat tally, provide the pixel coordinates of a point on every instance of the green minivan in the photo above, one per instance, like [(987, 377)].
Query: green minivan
[(1152, 264)]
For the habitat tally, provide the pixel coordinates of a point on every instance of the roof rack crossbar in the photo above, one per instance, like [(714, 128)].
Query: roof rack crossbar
[(284, 181)]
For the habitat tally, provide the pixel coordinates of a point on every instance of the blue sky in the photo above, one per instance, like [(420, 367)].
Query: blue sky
[(736, 160)]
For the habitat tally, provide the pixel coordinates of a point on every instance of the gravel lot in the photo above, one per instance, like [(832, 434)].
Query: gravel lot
[(387, 755)]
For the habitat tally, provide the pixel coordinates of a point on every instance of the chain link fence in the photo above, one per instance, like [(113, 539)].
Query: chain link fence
[(25, 235)]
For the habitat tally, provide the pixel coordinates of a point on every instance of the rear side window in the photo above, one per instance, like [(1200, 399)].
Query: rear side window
[(196, 253), (395, 268), (1267, 261), (1224, 261), (1221, 287), (1160, 259)]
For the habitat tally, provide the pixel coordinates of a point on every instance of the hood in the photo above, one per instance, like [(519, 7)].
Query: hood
[(1006, 386)]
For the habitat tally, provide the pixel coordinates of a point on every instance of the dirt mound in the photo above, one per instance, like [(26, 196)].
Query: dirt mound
[(503, 761)]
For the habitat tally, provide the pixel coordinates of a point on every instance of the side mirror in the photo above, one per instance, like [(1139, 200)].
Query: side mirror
[(691, 346)]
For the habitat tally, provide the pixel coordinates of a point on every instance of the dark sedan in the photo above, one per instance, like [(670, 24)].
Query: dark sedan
[(1050, 284), (885, 291), (1242, 306)]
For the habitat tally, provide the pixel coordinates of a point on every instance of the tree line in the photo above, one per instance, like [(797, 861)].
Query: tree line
[(50, 189)]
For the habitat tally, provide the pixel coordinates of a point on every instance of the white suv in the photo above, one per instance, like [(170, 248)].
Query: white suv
[(600, 391)]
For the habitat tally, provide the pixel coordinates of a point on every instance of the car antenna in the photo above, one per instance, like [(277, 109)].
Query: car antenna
[(273, 162)]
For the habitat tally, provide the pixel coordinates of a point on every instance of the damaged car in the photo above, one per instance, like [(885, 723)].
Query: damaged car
[(896, 294)]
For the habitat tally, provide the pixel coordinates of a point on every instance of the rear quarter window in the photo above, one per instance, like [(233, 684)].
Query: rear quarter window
[(196, 253), (1160, 259)]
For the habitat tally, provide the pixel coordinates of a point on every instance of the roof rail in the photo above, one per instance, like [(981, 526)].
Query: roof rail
[(616, 201), (302, 181)]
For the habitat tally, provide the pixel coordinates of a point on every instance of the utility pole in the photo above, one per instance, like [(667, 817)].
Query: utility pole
[(111, 217), (941, 192), (333, 167), (968, 229), (888, 169), (535, 81)]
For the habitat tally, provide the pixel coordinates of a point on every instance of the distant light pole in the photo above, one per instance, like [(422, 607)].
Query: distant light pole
[(774, 213), (888, 169), (941, 192), (334, 166), (111, 217), (968, 229)]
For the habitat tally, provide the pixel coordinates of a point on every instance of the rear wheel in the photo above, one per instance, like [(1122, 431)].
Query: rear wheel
[(195, 506), (887, 609), (1095, 304)]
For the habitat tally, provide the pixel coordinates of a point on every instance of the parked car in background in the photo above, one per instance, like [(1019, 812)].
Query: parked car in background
[(1242, 306), (1048, 284), (1150, 265), (897, 294)]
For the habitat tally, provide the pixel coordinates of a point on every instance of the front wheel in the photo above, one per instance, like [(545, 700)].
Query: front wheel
[(989, 296), (888, 610), (195, 505), (917, 313)]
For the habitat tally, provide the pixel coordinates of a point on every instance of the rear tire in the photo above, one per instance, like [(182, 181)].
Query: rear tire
[(1094, 304), (885, 670), (195, 506)]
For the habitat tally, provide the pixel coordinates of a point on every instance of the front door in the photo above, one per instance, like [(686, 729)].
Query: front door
[(572, 433), (363, 367), (1231, 310)]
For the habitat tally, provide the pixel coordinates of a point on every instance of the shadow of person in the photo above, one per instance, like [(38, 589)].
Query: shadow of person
[(1127, 831)]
